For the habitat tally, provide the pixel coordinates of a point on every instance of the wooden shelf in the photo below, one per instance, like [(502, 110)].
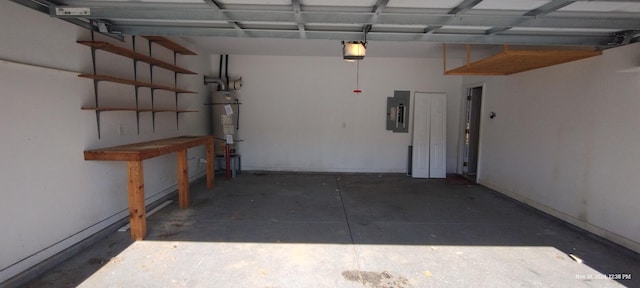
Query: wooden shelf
[(132, 54), (135, 55), (166, 43), (135, 83), (103, 109), (514, 61)]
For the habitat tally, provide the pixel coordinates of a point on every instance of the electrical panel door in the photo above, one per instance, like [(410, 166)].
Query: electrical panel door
[(398, 112)]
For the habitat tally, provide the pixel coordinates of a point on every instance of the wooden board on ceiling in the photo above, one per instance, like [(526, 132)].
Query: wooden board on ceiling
[(165, 42), (515, 61)]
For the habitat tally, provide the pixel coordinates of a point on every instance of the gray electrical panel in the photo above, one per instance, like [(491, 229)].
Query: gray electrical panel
[(398, 111)]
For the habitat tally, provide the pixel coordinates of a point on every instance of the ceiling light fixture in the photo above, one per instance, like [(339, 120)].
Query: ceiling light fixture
[(354, 50)]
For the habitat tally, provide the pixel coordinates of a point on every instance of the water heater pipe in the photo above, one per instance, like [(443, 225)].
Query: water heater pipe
[(220, 67), (226, 68), (220, 82)]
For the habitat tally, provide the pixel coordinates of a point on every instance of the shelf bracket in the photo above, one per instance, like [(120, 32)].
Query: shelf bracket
[(135, 87), (95, 83), (175, 85), (153, 114), (98, 122)]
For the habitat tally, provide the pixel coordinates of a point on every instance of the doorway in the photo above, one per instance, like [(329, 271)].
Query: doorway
[(472, 132)]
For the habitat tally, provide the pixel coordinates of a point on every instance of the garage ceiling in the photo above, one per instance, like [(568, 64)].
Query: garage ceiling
[(594, 24)]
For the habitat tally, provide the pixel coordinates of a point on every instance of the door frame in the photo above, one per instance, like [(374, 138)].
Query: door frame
[(463, 120)]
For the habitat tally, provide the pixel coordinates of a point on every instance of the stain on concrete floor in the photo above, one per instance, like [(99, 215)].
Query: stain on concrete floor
[(382, 279)]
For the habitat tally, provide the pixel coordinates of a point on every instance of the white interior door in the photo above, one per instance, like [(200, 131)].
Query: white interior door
[(429, 136), (438, 136), (421, 133)]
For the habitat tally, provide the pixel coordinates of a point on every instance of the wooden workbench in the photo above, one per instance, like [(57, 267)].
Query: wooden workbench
[(135, 153)]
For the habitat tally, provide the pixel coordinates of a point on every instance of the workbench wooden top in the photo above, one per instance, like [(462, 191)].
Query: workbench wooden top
[(145, 150)]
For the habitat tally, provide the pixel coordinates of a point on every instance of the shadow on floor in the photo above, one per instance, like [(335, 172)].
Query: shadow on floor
[(357, 210)]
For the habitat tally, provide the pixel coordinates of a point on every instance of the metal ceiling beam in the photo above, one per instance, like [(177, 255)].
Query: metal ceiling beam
[(216, 7), (133, 4), (523, 39), (178, 4), (540, 11), (549, 7), (380, 5), (296, 6), (377, 9), (213, 4), (361, 18), (464, 6), (46, 6), (189, 19), (497, 30), (296, 9), (431, 29)]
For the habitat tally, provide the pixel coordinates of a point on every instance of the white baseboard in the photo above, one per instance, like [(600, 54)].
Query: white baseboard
[(596, 230)]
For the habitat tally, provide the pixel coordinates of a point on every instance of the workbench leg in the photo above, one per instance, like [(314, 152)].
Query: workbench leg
[(137, 216), (210, 168), (183, 179)]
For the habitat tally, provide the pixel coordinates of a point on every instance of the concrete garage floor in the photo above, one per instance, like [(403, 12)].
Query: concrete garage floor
[(335, 230)]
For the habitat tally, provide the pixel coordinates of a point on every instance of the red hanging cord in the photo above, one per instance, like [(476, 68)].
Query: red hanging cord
[(357, 90)]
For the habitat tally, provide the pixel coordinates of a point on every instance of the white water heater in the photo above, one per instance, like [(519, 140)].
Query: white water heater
[(225, 114)]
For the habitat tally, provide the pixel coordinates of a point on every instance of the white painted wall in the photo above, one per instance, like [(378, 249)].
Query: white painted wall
[(300, 114), (565, 140), (51, 197)]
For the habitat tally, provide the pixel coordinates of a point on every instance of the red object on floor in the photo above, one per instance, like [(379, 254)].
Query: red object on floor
[(357, 91)]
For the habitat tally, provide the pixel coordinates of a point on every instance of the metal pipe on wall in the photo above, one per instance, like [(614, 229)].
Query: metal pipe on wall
[(226, 68), (221, 84), (220, 67)]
